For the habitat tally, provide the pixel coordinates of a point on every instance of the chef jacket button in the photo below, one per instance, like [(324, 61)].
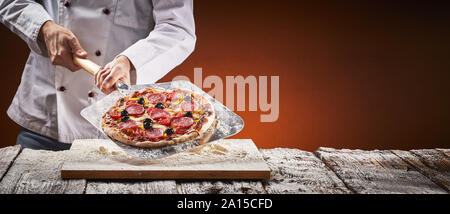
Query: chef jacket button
[(106, 11), (91, 94), (98, 53), (61, 88), (66, 4)]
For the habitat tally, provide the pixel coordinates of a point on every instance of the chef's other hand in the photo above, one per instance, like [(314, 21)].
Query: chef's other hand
[(114, 72), (61, 44)]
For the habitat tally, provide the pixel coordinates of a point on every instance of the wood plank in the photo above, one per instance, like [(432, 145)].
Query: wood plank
[(431, 163), (131, 187), (7, 156), (376, 172), (38, 171), (223, 159), (220, 187), (434, 159), (445, 151), (296, 171)]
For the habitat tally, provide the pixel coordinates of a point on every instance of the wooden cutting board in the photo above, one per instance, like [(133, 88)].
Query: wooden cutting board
[(222, 159)]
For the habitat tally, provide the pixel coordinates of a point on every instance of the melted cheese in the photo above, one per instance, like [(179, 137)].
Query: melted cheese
[(140, 121), (163, 127), (137, 119)]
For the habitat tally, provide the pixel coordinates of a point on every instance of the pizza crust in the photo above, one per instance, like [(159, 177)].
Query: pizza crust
[(202, 136)]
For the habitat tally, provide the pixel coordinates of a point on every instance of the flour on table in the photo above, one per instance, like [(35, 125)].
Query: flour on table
[(211, 153)]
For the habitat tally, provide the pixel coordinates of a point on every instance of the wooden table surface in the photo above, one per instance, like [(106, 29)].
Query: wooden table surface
[(326, 170)]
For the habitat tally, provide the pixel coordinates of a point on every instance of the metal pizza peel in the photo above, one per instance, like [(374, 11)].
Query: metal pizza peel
[(228, 122)]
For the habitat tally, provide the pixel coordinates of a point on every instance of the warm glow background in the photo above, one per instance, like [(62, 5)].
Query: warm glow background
[(362, 74)]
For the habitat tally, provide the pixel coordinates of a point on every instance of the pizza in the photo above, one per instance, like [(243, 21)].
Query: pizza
[(155, 118)]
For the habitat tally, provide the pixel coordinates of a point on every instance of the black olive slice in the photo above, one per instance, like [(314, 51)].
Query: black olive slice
[(188, 114), (169, 131), (124, 118), (148, 123), (159, 105)]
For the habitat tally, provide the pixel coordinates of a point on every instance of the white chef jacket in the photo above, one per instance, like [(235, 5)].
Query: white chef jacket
[(156, 35)]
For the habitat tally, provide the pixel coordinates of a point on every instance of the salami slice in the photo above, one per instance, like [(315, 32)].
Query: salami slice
[(164, 121), (156, 113), (114, 114), (129, 124), (189, 106), (131, 102), (156, 98), (135, 109), (139, 93), (181, 130), (182, 122), (137, 132), (154, 133), (174, 96), (178, 114)]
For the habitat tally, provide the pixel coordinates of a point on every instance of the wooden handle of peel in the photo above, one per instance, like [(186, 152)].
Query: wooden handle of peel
[(87, 65)]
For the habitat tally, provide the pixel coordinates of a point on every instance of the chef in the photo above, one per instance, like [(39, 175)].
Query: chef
[(137, 41)]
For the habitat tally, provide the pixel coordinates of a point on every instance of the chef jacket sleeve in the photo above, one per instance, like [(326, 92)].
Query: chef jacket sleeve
[(168, 45), (25, 18)]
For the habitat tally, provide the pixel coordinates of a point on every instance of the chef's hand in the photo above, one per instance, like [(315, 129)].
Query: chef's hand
[(114, 72), (61, 45)]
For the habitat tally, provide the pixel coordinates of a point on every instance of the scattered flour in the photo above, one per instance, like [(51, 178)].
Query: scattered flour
[(216, 152)]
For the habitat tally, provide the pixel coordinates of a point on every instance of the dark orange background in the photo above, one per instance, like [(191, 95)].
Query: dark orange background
[(363, 74)]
